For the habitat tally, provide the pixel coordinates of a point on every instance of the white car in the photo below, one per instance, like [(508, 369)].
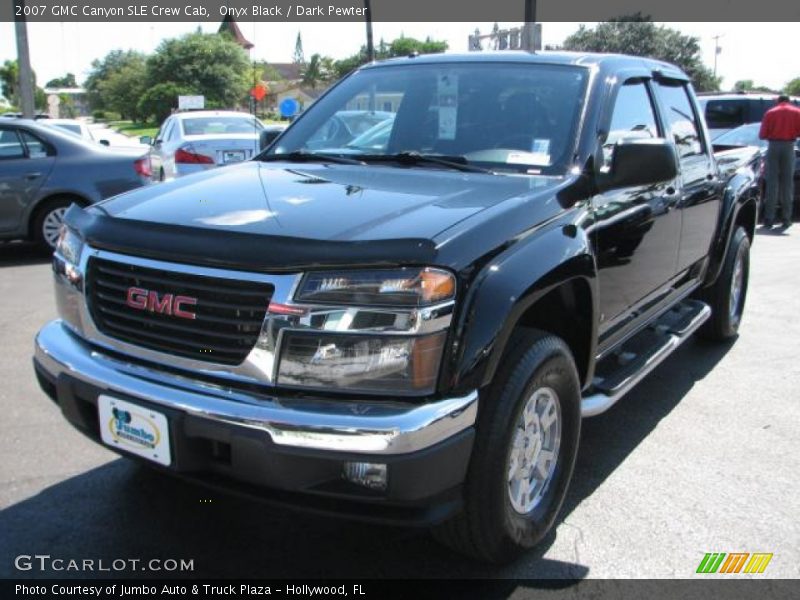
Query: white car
[(190, 142), (78, 128)]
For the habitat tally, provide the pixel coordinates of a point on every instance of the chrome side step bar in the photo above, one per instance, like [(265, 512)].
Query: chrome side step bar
[(668, 331)]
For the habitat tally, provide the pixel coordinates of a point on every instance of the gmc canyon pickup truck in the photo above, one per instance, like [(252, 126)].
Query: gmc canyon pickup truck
[(408, 328)]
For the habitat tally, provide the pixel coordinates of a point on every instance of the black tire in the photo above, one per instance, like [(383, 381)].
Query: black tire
[(723, 324), (41, 225), (490, 528)]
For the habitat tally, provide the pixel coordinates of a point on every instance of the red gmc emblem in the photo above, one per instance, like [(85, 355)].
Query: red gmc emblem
[(168, 304)]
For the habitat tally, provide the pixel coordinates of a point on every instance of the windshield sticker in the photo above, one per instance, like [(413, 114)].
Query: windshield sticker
[(447, 91), (528, 158), (541, 147)]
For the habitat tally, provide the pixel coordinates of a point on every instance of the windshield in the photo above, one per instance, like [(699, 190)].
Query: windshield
[(220, 125), (505, 117), (742, 136)]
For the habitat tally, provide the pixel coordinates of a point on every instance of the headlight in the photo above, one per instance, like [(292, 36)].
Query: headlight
[(364, 363), (69, 245), (411, 286), (375, 331)]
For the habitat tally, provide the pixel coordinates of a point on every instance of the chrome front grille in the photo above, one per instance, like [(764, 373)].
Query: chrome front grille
[(221, 326)]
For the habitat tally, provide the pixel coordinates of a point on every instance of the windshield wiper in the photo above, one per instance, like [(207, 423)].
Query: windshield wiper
[(305, 156), (458, 163)]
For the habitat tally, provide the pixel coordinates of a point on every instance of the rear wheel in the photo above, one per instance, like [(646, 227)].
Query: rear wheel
[(728, 294), (48, 220), (525, 449)]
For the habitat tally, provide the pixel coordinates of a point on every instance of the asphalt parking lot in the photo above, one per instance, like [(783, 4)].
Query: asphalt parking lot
[(702, 457)]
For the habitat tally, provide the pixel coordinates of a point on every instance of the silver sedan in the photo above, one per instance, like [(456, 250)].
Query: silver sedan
[(195, 141)]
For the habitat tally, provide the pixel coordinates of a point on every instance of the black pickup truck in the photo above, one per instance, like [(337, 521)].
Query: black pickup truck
[(408, 326)]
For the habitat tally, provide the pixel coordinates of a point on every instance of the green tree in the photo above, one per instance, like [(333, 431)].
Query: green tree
[(116, 82), (743, 85), (9, 78), (158, 102), (793, 87), (210, 64), (639, 36), (320, 69), (402, 46), (299, 57), (67, 81)]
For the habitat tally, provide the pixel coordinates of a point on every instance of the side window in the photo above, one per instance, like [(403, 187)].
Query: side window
[(10, 145), (36, 147), (160, 136), (680, 118), (726, 114), (633, 117), (169, 133)]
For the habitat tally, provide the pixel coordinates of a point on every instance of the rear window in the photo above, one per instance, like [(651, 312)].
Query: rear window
[(726, 114), (219, 125)]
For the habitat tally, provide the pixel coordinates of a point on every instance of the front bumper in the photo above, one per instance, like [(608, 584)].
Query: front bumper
[(289, 450)]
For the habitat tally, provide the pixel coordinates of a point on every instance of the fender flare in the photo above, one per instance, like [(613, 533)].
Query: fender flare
[(506, 287), (740, 192)]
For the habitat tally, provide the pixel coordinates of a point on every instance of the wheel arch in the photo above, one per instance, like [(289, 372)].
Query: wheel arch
[(739, 208), (535, 287)]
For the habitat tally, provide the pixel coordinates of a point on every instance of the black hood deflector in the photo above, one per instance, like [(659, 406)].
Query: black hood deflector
[(241, 251)]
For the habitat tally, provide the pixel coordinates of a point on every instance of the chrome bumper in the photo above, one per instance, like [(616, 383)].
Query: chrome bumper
[(367, 427)]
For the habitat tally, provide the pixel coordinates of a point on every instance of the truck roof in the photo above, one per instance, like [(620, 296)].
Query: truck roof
[(583, 59)]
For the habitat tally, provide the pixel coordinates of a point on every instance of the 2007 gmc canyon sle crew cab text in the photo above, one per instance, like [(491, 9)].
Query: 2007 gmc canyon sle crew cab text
[(409, 328)]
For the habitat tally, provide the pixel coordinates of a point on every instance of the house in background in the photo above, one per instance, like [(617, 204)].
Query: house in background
[(285, 80), (72, 101), (230, 26)]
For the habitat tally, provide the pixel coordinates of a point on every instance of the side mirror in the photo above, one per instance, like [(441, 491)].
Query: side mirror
[(639, 162), (146, 140), (104, 143)]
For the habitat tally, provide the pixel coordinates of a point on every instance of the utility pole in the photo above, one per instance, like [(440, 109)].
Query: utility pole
[(24, 63), (529, 29), (717, 50), (368, 18)]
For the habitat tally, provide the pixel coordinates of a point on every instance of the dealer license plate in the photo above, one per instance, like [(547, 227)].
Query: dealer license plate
[(233, 156), (133, 428)]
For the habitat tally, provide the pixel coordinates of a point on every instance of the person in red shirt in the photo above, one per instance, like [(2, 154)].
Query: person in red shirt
[(780, 127)]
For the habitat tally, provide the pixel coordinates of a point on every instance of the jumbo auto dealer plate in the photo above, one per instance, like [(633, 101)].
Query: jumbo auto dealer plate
[(134, 428)]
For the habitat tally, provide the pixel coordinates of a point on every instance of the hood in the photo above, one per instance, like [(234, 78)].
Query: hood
[(323, 202)]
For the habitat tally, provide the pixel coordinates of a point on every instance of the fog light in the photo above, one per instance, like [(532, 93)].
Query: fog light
[(369, 475)]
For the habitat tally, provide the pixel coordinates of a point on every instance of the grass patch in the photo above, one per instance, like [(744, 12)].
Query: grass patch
[(132, 129)]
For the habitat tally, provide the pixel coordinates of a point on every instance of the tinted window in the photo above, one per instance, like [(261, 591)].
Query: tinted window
[(725, 114), (633, 117), (680, 119), (10, 146), (36, 147), (504, 116)]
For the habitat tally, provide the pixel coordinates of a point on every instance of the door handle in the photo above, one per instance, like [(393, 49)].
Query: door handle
[(32, 175)]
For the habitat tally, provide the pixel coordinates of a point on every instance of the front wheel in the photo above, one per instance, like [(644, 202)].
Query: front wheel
[(728, 294), (524, 454)]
